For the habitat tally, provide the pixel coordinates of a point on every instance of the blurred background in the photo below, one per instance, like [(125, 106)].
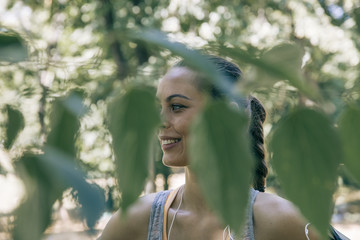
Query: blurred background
[(48, 48)]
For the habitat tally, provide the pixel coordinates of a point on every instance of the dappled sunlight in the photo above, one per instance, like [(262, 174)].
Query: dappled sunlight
[(11, 192), (77, 123)]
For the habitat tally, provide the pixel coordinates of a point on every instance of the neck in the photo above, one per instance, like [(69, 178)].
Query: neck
[(193, 198)]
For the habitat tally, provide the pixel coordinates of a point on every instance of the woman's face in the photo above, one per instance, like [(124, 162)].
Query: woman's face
[(180, 101)]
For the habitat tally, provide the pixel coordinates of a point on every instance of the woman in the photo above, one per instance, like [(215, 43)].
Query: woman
[(182, 213)]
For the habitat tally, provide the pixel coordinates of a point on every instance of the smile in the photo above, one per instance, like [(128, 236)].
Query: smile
[(169, 141)]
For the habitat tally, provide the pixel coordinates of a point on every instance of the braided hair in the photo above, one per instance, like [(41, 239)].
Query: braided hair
[(256, 131), (233, 74)]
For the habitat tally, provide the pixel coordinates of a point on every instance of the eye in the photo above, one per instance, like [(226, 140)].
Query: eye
[(177, 107)]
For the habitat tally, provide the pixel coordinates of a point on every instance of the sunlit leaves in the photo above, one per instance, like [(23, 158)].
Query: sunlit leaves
[(306, 155), (47, 175), (133, 118), (11, 48), (350, 137), (222, 161), (15, 123)]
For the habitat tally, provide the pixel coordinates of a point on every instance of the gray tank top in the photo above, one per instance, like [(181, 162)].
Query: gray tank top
[(155, 230)]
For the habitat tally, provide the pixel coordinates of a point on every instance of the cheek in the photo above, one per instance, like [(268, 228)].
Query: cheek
[(182, 126)]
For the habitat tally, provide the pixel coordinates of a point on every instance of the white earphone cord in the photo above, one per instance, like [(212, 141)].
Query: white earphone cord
[(229, 233), (226, 228), (172, 222), (307, 231)]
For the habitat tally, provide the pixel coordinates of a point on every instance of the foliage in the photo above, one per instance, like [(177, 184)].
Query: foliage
[(301, 58), (350, 139), (131, 139), (221, 134), (317, 188)]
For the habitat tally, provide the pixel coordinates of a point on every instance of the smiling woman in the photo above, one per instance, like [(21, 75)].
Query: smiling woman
[(180, 102), (183, 213)]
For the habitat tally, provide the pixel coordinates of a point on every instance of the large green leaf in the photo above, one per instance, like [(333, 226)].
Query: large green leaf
[(282, 62), (15, 123), (193, 58), (221, 160), (133, 118), (42, 189), (65, 123), (12, 48), (45, 177), (306, 155), (62, 168), (350, 137), (287, 58)]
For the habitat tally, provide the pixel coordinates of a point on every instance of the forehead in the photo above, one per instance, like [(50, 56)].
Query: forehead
[(178, 80)]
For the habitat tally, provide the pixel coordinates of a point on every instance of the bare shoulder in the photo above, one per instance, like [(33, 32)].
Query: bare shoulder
[(132, 226), (277, 218)]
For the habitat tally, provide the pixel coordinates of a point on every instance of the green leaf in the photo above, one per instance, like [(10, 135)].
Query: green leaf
[(65, 123), (132, 123), (15, 123), (286, 57), (222, 161), (92, 200), (193, 58), (282, 62), (45, 177), (91, 197), (12, 48), (350, 137), (306, 155), (42, 189)]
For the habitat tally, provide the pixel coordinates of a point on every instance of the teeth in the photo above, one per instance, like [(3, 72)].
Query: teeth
[(169, 141)]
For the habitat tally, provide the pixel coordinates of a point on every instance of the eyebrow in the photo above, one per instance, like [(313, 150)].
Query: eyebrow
[(176, 95)]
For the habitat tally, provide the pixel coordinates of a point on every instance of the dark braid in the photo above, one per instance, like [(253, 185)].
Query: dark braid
[(257, 118), (257, 115)]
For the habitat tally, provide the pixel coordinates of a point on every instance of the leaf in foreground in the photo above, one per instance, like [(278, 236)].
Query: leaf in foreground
[(282, 62), (65, 123), (132, 123), (193, 58), (34, 214), (306, 155), (350, 137), (15, 123), (222, 162), (46, 177), (90, 196)]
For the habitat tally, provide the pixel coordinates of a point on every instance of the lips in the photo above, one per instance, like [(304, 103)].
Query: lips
[(168, 142)]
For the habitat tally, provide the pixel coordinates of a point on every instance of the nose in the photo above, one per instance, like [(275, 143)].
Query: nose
[(164, 120)]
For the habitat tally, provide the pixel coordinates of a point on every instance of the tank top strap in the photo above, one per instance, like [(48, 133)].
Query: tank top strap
[(156, 223), (250, 235), (155, 229)]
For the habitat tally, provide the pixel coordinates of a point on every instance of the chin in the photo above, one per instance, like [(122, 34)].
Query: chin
[(174, 162)]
